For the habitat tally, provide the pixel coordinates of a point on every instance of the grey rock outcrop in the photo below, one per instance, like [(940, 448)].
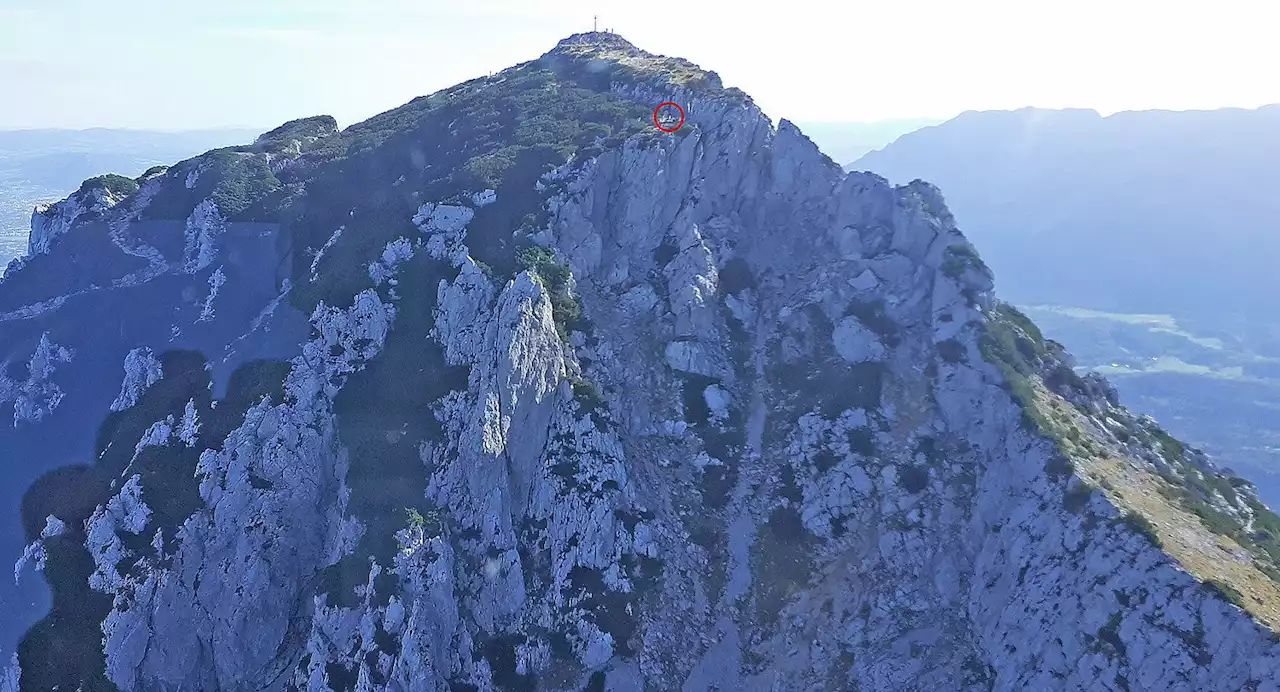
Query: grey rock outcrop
[(37, 396), (204, 227), (12, 676), (141, 370), (49, 222)]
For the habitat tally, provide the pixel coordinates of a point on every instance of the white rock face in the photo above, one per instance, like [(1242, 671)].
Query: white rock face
[(34, 554), (48, 222), (38, 396), (465, 307), (156, 436), (124, 512), (11, 676), (141, 370), (855, 343), (205, 225), (315, 261), (190, 425), (690, 356), (397, 251), (193, 177), (445, 226), (216, 280), (718, 401), (53, 526), (128, 509)]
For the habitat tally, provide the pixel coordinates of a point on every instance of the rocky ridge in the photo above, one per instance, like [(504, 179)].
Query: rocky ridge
[(588, 406)]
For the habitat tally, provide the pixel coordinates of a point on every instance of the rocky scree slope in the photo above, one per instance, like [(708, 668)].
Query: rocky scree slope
[(586, 406)]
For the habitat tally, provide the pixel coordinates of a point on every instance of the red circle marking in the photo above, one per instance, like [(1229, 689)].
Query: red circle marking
[(659, 108)]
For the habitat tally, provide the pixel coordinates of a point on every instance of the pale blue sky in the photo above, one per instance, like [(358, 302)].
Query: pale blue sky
[(174, 64)]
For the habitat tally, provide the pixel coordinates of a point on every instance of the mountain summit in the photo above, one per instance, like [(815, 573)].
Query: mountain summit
[(507, 389), (594, 41)]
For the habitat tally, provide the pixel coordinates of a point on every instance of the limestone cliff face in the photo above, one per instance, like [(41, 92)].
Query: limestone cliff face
[(730, 420), (48, 222)]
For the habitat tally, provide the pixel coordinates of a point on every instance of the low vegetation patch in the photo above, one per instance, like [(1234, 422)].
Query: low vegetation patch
[(588, 395), (1142, 525), (781, 562), (1013, 343), (960, 258), (117, 186), (297, 136), (239, 181), (1226, 592), (951, 351), (245, 180), (736, 276), (914, 479)]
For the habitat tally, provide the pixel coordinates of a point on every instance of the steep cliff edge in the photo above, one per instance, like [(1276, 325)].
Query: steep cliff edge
[(585, 405)]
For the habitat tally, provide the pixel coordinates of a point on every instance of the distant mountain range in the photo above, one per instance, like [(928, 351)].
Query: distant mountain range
[(1147, 242), (46, 165), (847, 141), (1153, 211)]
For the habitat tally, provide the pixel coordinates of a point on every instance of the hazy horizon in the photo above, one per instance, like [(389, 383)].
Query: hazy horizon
[(154, 66)]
